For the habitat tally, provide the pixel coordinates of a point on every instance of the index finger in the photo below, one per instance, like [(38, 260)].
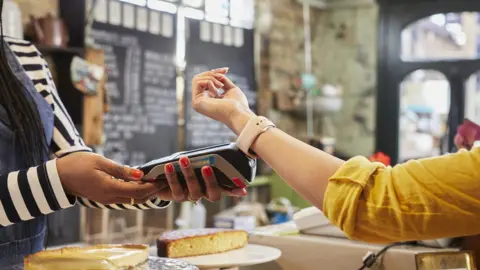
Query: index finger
[(212, 72), (223, 70), (227, 83)]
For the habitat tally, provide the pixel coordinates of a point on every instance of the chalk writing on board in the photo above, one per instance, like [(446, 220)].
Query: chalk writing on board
[(141, 85), (213, 45)]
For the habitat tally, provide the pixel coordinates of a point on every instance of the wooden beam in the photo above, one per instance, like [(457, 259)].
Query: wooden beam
[(93, 106)]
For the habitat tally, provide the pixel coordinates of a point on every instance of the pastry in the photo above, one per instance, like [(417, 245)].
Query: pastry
[(196, 242), (99, 257)]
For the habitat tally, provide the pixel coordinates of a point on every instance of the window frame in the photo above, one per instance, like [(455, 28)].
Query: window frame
[(394, 16)]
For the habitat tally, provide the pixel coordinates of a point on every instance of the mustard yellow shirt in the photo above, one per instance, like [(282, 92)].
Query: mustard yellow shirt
[(423, 199)]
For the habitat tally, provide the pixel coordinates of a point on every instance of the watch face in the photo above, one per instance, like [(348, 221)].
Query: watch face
[(455, 260)]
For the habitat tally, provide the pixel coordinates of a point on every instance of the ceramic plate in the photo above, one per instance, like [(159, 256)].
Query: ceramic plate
[(249, 255)]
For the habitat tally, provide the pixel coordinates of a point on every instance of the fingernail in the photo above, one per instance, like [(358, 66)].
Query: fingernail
[(169, 168), (184, 162), (221, 69), (238, 182), (136, 173), (239, 192), (208, 171)]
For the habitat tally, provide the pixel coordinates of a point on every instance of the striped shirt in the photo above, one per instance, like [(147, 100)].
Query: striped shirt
[(37, 191)]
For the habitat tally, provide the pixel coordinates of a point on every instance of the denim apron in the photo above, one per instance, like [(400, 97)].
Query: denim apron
[(21, 239)]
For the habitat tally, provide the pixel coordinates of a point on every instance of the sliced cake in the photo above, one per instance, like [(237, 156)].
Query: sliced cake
[(99, 257), (196, 242)]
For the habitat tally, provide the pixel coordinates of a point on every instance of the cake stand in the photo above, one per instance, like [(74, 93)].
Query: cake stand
[(232, 260), (154, 263)]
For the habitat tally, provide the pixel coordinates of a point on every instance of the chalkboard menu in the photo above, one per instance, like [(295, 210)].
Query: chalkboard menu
[(210, 46), (139, 47)]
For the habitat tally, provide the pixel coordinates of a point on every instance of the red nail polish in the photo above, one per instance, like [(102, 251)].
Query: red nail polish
[(239, 183), (169, 168), (136, 173), (240, 192), (208, 171), (185, 162)]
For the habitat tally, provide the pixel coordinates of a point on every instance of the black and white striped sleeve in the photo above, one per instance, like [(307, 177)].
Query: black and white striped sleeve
[(31, 193), (66, 139), (152, 204), (38, 191)]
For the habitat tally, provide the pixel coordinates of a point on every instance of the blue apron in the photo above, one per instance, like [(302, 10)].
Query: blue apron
[(21, 239)]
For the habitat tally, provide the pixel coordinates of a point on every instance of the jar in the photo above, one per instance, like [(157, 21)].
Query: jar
[(12, 20)]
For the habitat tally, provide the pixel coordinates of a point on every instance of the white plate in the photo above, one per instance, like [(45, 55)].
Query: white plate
[(249, 255)]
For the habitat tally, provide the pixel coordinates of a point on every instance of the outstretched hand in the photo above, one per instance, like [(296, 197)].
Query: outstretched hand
[(193, 191), (219, 106), (99, 179)]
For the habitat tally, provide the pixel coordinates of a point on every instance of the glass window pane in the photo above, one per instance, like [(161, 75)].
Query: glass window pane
[(242, 13), (472, 98), (424, 106), (442, 36), (193, 3), (217, 8)]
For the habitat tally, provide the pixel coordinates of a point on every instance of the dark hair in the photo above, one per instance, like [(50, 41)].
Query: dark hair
[(22, 111)]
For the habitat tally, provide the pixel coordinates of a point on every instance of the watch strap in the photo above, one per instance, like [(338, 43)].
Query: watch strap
[(254, 127)]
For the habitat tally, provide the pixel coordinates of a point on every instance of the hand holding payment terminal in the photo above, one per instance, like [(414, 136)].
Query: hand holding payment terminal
[(227, 161)]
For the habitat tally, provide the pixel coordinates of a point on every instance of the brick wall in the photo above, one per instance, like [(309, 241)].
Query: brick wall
[(344, 53)]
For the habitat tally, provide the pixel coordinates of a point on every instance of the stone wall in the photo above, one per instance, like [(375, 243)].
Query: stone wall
[(343, 52)]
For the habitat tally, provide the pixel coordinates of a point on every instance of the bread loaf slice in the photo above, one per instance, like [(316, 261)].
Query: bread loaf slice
[(196, 242)]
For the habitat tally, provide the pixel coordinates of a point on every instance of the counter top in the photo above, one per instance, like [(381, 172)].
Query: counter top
[(328, 253)]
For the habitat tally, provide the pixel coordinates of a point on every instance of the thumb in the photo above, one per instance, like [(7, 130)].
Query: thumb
[(119, 171)]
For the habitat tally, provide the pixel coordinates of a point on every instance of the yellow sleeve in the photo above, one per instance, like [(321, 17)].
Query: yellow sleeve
[(418, 200)]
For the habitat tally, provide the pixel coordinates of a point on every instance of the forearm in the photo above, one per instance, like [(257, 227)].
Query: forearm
[(305, 168), (27, 194), (419, 200)]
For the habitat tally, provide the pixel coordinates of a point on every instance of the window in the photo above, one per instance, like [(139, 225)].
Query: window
[(193, 3), (442, 36), (472, 97), (424, 106)]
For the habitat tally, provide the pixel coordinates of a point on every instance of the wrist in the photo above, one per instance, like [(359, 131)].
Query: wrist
[(53, 172), (239, 119)]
